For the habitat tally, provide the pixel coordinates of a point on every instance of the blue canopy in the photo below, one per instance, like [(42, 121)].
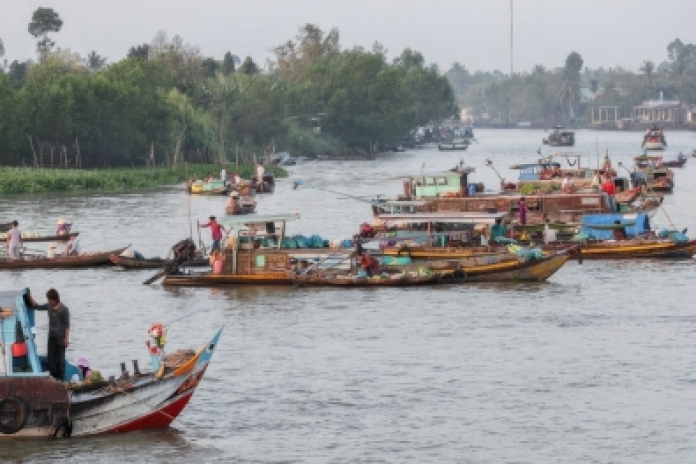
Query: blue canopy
[(640, 223)]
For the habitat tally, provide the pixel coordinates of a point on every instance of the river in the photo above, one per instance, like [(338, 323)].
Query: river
[(595, 365)]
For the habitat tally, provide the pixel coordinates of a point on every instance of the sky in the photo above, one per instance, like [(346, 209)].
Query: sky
[(476, 33)]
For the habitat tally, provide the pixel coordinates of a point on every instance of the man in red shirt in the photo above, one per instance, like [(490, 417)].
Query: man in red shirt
[(368, 263), (609, 188), (216, 231)]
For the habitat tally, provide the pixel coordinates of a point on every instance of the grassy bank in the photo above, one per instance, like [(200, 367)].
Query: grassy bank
[(29, 180)]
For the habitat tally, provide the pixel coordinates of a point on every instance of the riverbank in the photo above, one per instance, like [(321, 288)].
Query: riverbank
[(21, 180)]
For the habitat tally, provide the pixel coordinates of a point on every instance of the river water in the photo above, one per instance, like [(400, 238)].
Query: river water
[(596, 365)]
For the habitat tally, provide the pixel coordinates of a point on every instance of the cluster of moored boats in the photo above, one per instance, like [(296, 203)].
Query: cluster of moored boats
[(443, 229)]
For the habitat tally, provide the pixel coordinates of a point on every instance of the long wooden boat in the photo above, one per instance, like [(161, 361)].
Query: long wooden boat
[(216, 187), (151, 263), (35, 405), (352, 281), (267, 186), (5, 226), (245, 206), (51, 238), (491, 267), (93, 259), (452, 146)]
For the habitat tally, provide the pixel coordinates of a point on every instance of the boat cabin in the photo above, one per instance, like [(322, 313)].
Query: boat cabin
[(438, 184), (434, 229), (538, 171), (259, 251)]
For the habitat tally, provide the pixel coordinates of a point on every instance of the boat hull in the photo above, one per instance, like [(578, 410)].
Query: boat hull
[(62, 262), (152, 263), (51, 238), (365, 282), (654, 146)]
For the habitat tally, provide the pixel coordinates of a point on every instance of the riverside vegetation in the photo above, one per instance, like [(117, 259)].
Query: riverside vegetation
[(168, 103), (40, 180)]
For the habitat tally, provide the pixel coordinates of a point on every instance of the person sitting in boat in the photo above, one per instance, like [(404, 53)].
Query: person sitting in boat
[(567, 185), (233, 203), (498, 230), (82, 363), (619, 232), (546, 173), (368, 263), (63, 227), (72, 248), (209, 177), (236, 180)]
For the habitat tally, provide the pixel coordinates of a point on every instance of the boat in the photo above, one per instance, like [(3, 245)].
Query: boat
[(649, 170), (494, 267), (93, 259), (560, 138), (31, 237), (453, 146), (244, 205), (268, 184), (547, 175), (260, 253), (677, 163), (151, 263), (654, 139), (5, 226), (214, 187), (34, 405)]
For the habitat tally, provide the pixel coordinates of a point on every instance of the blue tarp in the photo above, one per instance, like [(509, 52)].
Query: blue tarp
[(642, 225)]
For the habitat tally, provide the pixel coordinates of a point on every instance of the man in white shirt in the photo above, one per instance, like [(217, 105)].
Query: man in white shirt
[(260, 171), (223, 174), (567, 185), (14, 241)]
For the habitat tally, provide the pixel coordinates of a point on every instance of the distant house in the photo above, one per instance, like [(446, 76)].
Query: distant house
[(662, 112)]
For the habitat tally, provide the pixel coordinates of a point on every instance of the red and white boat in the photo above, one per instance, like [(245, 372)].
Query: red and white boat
[(654, 139), (33, 404)]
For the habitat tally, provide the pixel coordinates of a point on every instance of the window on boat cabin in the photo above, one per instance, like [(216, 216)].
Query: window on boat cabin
[(430, 181), (441, 181)]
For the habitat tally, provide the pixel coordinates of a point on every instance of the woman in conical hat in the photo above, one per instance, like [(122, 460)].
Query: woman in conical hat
[(63, 227)]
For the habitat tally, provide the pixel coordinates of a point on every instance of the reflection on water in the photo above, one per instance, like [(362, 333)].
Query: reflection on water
[(594, 365)]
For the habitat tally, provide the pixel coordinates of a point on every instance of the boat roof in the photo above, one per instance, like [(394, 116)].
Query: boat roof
[(466, 170), (453, 218), (647, 157), (404, 203), (261, 218), (529, 165)]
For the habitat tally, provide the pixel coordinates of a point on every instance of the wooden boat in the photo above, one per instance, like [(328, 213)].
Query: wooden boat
[(649, 170), (493, 268), (452, 146), (51, 238), (35, 405), (151, 263), (244, 205), (4, 227), (548, 175), (268, 183), (654, 139), (560, 138), (345, 280), (677, 163), (215, 187), (61, 262), (245, 189)]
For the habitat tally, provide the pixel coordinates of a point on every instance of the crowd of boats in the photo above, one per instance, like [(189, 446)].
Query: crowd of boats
[(443, 229)]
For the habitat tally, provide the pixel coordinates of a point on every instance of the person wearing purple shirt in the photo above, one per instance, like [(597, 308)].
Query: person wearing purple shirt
[(522, 210)]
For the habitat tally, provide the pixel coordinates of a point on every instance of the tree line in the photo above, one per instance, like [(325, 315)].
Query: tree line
[(565, 94), (166, 103)]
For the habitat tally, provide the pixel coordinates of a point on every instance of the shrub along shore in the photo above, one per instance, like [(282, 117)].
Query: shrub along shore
[(16, 180)]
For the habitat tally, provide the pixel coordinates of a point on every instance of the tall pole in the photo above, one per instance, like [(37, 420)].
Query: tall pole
[(511, 48)]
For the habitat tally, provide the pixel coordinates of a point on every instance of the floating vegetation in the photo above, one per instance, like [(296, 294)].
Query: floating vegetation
[(14, 180)]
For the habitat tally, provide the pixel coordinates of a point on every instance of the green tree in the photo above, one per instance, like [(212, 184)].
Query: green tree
[(229, 63), (94, 61), (2, 49), (140, 52), (249, 67), (43, 22)]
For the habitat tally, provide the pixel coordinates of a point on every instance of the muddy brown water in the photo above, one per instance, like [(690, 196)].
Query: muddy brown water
[(596, 365)]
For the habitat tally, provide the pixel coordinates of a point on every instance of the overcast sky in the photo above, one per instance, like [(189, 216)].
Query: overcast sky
[(474, 32)]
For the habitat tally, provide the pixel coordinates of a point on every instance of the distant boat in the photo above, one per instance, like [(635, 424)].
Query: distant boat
[(560, 138), (654, 139)]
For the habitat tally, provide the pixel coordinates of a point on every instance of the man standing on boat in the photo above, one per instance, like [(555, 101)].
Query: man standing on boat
[(223, 174), (260, 171), (610, 189), (14, 241), (58, 333), (216, 231)]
